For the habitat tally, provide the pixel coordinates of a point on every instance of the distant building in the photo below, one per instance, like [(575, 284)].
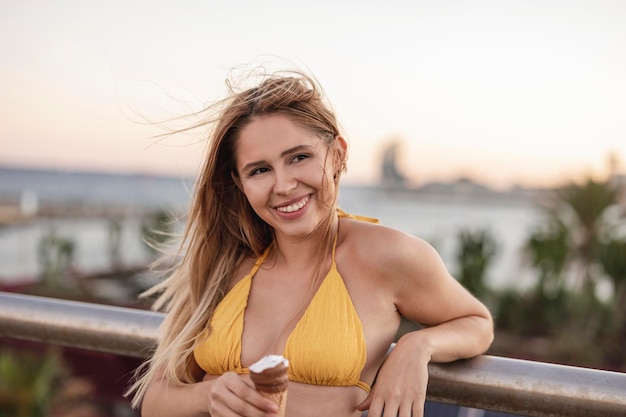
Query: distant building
[(391, 174)]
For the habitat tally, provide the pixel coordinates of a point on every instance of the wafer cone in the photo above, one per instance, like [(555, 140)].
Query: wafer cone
[(270, 379), (278, 398)]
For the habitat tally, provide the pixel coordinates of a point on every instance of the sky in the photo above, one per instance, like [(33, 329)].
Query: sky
[(529, 93)]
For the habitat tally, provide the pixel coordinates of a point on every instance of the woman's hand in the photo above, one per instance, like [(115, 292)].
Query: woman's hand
[(235, 395), (400, 388)]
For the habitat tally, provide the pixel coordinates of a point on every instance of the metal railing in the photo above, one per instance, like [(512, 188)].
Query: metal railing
[(486, 382)]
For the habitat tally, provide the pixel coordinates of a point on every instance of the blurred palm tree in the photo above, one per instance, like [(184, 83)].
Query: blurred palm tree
[(475, 253), (585, 210), (568, 250), (578, 217)]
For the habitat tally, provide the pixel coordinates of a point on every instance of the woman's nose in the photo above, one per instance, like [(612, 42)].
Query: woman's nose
[(284, 182)]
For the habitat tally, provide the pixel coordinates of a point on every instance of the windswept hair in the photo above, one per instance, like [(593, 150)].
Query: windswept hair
[(221, 228)]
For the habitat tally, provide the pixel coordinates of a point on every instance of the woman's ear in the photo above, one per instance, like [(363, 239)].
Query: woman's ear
[(341, 153), (236, 180)]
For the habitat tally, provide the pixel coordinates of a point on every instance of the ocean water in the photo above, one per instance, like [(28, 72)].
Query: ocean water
[(437, 218)]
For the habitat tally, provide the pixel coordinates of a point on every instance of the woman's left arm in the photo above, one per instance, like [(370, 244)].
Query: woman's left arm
[(456, 326)]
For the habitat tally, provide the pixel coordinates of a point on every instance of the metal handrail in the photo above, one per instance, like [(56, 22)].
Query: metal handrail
[(485, 382)]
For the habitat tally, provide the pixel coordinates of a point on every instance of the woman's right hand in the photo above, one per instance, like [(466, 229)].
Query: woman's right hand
[(232, 395)]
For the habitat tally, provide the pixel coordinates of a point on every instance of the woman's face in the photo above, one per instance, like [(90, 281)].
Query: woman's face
[(285, 171)]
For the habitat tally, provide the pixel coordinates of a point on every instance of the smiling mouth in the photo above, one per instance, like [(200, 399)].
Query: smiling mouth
[(295, 206)]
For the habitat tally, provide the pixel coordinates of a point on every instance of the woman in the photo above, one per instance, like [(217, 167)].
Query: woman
[(271, 266)]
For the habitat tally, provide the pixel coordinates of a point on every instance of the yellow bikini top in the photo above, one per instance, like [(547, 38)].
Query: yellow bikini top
[(327, 346)]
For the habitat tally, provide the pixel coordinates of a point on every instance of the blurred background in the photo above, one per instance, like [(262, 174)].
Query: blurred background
[(494, 130)]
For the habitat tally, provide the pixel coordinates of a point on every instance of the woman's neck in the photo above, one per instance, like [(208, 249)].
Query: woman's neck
[(303, 251)]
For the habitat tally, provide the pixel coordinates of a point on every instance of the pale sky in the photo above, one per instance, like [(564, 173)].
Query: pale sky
[(528, 92)]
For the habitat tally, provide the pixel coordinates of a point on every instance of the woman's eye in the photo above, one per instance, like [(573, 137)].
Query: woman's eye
[(299, 158), (259, 171)]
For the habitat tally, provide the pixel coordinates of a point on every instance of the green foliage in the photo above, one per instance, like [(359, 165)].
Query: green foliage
[(583, 209), (533, 314), (475, 253), (27, 383), (55, 256), (589, 202), (548, 249), (572, 251), (612, 256), (576, 222)]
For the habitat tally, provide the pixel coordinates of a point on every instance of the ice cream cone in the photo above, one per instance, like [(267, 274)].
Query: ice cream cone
[(278, 398), (271, 380)]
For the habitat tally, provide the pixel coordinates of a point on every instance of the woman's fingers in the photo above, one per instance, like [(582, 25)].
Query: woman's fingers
[(233, 395)]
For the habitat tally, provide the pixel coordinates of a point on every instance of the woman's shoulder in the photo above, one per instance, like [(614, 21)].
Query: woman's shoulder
[(390, 258), (380, 244)]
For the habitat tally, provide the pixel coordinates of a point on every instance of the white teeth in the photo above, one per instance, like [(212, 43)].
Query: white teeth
[(294, 207)]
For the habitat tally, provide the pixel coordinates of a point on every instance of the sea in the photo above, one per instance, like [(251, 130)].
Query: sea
[(436, 213)]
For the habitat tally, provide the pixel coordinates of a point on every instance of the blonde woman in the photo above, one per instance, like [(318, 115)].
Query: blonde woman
[(271, 265)]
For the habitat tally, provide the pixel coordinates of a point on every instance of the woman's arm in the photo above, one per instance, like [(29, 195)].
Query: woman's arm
[(164, 399), (456, 324), (226, 396)]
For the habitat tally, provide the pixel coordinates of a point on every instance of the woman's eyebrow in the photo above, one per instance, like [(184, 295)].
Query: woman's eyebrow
[(295, 149)]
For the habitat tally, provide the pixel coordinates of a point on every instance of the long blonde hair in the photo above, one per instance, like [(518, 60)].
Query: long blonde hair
[(222, 230)]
